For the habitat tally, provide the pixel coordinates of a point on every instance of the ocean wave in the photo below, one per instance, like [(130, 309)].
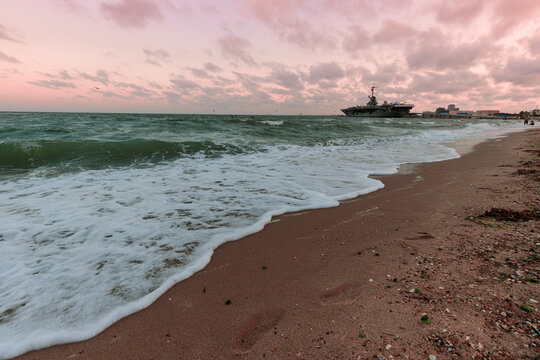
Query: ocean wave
[(92, 154)]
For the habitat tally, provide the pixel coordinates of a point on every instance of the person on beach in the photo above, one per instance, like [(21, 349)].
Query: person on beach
[(526, 121), (531, 122)]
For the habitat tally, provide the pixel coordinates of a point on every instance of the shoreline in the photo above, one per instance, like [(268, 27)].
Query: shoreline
[(313, 265)]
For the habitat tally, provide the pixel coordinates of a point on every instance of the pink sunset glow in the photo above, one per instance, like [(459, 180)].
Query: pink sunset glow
[(267, 56)]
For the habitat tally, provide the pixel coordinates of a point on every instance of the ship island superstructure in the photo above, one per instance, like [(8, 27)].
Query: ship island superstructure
[(373, 109)]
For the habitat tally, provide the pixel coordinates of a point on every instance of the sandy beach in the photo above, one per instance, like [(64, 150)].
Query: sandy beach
[(416, 270)]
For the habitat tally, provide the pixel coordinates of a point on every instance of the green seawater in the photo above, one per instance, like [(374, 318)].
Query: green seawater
[(80, 141)]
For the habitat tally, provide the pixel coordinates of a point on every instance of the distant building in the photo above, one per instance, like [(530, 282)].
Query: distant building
[(453, 111), (440, 110), (461, 113)]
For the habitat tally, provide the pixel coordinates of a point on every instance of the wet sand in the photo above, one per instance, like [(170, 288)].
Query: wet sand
[(352, 282)]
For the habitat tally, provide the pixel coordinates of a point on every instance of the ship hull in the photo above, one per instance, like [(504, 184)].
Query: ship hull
[(377, 111)]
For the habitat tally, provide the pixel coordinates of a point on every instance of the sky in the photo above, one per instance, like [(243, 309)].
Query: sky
[(267, 56)]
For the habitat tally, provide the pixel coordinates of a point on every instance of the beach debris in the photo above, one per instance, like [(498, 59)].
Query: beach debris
[(263, 267), (510, 215), (432, 357), (443, 343), (204, 290), (526, 308), (361, 335), (422, 235), (522, 171), (228, 302), (425, 319)]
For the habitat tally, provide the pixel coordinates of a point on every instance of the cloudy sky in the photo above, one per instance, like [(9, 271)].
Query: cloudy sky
[(267, 56)]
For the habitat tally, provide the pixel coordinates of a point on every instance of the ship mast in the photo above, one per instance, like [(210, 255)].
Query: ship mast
[(372, 99)]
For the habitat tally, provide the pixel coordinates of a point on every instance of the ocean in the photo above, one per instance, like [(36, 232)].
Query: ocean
[(101, 213)]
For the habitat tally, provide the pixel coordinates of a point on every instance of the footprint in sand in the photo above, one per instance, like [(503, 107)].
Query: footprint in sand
[(255, 327), (346, 294)]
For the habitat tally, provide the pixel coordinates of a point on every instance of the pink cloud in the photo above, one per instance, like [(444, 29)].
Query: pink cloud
[(223, 81), (286, 78), (394, 5), (266, 11), (112, 94), (6, 57), (155, 85), (450, 82), (183, 84), (61, 74), (53, 84), (209, 9), (286, 19), (101, 76), (387, 75), (302, 34), (250, 83), (136, 90), (459, 13), (4, 35), (72, 6), (519, 71), (131, 13), (510, 14), (356, 40), (156, 57), (533, 43), (172, 97), (466, 92), (326, 71), (180, 8), (433, 50), (236, 48), (393, 31), (212, 67), (200, 73), (352, 9)]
